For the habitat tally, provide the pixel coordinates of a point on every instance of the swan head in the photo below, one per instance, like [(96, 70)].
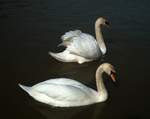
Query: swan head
[(109, 69), (102, 22)]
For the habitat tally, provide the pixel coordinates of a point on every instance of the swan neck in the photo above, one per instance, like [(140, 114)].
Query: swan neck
[(99, 38), (100, 84)]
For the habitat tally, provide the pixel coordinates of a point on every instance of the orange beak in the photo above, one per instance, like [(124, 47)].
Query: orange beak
[(113, 77)]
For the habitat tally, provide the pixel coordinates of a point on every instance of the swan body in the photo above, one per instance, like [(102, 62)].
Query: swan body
[(82, 47), (64, 92)]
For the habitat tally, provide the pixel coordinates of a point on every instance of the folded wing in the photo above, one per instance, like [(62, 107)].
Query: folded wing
[(81, 44)]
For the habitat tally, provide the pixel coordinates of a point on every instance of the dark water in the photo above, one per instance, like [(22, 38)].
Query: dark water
[(31, 28)]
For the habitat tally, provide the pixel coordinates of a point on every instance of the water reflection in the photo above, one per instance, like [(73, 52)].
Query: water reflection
[(84, 73), (84, 112)]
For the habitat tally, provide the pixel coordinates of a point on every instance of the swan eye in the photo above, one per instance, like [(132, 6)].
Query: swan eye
[(107, 23)]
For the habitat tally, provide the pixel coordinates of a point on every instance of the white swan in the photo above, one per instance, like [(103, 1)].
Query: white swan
[(63, 92), (82, 47)]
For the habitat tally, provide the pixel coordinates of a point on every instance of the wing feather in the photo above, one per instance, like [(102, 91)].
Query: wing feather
[(81, 44), (64, 89), (85, 45), (70, 34)]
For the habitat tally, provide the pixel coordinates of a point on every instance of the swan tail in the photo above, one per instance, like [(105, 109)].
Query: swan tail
[(64, 56), (25, 88)]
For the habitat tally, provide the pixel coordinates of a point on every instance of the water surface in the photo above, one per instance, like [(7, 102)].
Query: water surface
[(31, 28)]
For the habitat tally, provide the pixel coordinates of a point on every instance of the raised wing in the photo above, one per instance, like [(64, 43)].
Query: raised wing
[(84, 45), (70, 34), (81, 44)]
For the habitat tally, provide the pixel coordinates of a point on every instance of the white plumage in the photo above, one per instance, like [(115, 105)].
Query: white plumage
[(82, 47), (63, 92)]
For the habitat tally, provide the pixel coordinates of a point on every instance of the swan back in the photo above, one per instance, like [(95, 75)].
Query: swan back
[(71, 93)]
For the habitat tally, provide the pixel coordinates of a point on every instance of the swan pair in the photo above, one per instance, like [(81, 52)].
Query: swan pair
[(64, 92)]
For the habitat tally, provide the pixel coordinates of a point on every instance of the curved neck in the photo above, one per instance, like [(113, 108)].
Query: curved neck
[(99, 38), (100, 84)]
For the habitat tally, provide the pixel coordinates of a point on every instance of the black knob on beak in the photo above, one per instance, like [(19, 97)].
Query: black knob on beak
[(107, 23)]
